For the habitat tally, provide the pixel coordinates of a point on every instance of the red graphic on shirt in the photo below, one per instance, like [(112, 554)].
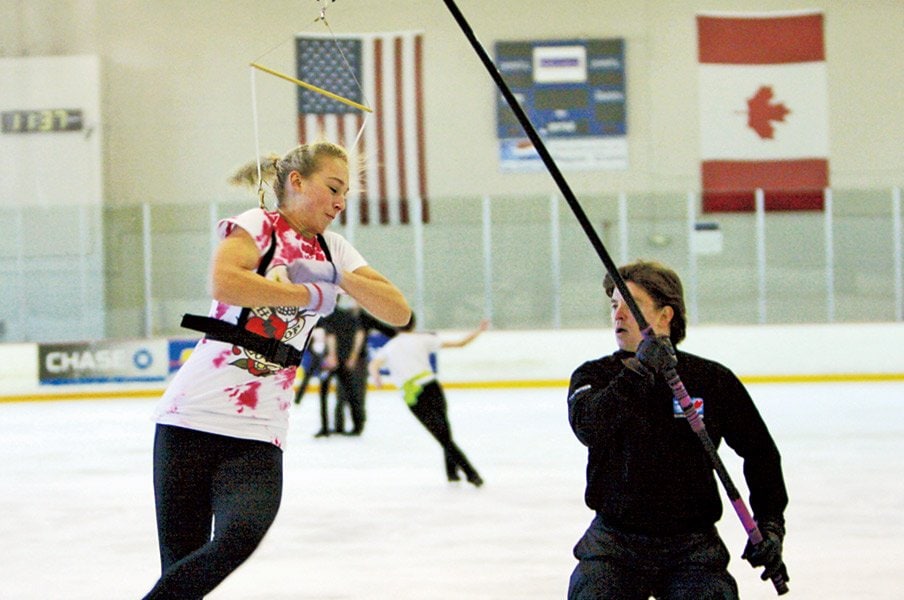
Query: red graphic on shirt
[(291, 244), (286, 378), (279, 323), (294, 246), (245, 395), (273, 327), (220, 359), (762, 112), (255, 367)]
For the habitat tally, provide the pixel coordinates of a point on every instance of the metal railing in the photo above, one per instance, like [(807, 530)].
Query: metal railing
[(88, 272)]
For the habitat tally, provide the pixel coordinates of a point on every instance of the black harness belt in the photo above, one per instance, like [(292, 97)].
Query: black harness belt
[(273, 350)]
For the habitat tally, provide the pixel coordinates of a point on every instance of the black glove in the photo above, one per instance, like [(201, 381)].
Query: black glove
[(768, 553), (657, 354)]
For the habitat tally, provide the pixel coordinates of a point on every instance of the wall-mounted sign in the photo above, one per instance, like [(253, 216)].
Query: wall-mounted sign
[(573, 92), (103, 361)]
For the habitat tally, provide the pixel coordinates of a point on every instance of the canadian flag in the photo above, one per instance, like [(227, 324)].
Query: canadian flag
[(763, 110)]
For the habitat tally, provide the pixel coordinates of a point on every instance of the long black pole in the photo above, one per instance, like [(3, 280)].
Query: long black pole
[(551, 165), (671, 375)]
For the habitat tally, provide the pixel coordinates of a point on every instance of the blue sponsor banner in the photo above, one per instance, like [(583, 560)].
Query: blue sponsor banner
[(574, 94), (102, 362), (179, 351)]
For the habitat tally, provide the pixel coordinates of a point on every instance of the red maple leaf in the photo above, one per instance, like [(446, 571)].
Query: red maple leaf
[(761, 112)]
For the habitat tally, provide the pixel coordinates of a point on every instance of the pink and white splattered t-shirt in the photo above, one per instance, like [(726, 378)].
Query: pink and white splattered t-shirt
[(228, 390)]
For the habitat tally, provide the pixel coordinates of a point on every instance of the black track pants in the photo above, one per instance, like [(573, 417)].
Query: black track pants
[(627, 566)]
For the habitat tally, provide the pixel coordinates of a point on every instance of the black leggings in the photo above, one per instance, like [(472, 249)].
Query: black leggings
[(430, 410), (216, 497), (350, 391)]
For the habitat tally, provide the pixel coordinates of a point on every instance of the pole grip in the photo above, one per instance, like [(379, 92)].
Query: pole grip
[(781, 587), (734, 496), (756, 537)]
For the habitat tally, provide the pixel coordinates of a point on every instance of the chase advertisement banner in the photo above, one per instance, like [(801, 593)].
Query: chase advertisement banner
[(103, 362)]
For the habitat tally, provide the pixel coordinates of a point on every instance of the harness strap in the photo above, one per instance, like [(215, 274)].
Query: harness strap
[(326, 251), (262, 271), (273, 350)]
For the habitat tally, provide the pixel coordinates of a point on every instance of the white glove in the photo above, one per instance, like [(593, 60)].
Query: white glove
[(305, 270), (323, 298)]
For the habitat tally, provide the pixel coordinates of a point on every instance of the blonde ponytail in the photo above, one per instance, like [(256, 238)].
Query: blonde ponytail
[(275, 169), (246, 175)]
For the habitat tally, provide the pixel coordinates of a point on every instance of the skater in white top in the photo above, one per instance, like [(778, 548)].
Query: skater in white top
[(407, 357), (222, 422)]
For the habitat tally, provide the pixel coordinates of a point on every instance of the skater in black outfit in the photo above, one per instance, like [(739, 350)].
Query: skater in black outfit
[(344, 361), (649, 480), (407, 356), (316, 351)]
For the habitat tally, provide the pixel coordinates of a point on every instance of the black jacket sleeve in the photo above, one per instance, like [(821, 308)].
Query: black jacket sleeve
[(745, 432), (596, 394)]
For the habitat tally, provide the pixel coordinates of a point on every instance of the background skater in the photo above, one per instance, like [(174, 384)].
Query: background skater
[(407, 357), (345, 363)]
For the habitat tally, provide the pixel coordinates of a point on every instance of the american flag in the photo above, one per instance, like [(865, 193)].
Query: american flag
[(382, 71)]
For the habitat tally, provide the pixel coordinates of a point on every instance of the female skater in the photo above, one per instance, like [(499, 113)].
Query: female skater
[(221, 424)]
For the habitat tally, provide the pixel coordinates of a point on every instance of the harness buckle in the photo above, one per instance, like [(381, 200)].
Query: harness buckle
[(283, 354)]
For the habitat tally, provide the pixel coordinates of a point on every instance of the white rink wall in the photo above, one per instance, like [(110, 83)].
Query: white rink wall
[(18, 368), (763, 353), (755, 353)]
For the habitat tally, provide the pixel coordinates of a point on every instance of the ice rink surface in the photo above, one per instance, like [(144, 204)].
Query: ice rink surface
[(372, 518)]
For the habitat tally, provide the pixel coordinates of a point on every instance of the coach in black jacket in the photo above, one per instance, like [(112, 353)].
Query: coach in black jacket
[(649, 479)]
